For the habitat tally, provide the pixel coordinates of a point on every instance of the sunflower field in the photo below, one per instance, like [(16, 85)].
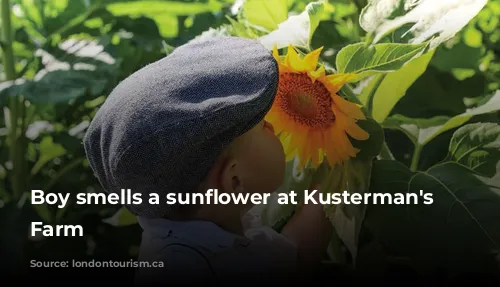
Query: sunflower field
[(388, 96)]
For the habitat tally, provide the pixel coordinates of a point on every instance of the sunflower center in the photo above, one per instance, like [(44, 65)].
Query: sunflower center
[(307, 103)]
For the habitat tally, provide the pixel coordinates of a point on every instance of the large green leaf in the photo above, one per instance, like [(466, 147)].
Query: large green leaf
[(478, 147), (164, 13), (385, 90), (457, 230), (365, 60), (391, 177), (422, 131), (72, 70), (154, 8), (267, 14), (56, 86), (436, 21), (353, 177), (297, 30)]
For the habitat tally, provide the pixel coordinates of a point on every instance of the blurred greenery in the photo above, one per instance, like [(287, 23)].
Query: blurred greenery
[(63, 57)]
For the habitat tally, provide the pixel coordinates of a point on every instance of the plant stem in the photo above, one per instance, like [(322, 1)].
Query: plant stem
[(416, 157), (15, 102), (385, 152), (8, 58)]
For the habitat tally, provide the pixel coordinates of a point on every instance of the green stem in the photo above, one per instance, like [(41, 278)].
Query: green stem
[(416, 158), (8, 58), (385, 152), (16, 103)]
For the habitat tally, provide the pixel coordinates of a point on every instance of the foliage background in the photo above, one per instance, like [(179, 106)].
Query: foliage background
[(69, 54)]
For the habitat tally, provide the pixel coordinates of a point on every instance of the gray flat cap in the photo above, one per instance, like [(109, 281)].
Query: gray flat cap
[(162, 128)]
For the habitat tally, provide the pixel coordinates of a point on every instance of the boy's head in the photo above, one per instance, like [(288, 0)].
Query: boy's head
[(190, 122)]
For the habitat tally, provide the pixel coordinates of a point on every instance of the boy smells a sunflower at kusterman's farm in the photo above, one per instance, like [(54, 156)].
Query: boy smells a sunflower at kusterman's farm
[(196, 120)]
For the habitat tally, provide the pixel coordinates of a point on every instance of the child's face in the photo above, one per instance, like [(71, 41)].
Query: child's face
[(255, 162)]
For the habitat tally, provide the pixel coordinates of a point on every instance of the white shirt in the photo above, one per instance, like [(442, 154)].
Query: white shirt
[(202, 251)]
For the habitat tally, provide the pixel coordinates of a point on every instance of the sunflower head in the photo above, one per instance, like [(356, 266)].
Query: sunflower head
[(313, 122)]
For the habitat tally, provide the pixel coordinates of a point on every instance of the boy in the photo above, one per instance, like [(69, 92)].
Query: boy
[(190, 122)]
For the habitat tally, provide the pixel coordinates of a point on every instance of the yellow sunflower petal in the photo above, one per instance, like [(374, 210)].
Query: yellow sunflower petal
[(349, 125), (276, 54), (341, 142), (317, 74), (350, 109), (335, 81), (316, 153), (311, 60), (356, 132), (292, 59), (331, 154)]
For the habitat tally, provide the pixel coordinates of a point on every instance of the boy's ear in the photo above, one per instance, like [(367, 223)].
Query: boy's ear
[(230, 177)]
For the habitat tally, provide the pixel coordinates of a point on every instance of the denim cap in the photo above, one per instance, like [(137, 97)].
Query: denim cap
[(162, 128)]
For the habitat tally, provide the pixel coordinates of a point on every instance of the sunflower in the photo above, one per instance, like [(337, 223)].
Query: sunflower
[(313, 122)]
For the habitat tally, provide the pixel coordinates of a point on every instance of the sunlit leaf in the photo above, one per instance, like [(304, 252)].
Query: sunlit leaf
[(422, 131), (297, 30), (436, 21), (347, 218), (366, 60), (478, 147), (385, 90), (267, 14)]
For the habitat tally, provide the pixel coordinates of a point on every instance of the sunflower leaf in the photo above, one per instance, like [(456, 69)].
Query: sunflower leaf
[(478, 147), (433, 21), (368, 60), (348, 217), (266, 13), (455, 230), (422, 131), (391, 87)]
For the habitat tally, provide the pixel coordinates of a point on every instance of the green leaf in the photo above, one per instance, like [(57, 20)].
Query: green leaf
[(367, 60), (266, 13), (457, 230), (297, 30), (478, 147), (157, 8), (48, 151), (123, 217), (393, 86), (86, 71), (422, 131), (433, 21), (164, 13), (388, 176), (348, 218)]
